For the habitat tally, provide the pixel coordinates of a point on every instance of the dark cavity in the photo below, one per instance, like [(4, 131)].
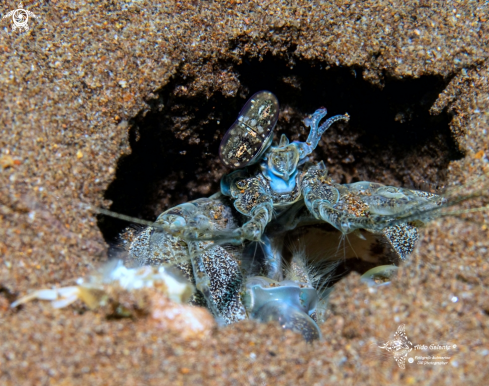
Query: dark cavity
[(391, 137)]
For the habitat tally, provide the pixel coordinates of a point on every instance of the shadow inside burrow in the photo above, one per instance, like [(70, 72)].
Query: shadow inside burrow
[(391, 138)]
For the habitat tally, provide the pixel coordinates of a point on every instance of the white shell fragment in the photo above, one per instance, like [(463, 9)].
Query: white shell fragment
[(94, 292)]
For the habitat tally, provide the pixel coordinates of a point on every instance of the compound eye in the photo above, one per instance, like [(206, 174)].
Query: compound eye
[(241, 184), (249, 135)]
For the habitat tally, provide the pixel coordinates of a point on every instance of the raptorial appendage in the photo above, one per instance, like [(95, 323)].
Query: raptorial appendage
[(275, 198), (377, 208), (215, 271), (252, 199), (213, 268), (208, 238)]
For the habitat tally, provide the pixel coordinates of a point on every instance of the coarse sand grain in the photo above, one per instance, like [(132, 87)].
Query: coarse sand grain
[(91, 79)]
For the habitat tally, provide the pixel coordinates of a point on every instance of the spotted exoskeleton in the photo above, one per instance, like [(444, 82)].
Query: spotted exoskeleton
[(230, 293), (285, 182), (275, 191)]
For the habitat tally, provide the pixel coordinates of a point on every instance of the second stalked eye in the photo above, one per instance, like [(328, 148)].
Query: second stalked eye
[(251, 134)]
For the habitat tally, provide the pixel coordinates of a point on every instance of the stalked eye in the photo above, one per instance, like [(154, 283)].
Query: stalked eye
[(249, 136)]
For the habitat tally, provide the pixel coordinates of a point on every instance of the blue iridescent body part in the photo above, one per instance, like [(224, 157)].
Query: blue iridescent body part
[(274, 190)]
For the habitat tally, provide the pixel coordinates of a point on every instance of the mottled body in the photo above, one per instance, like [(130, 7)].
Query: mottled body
[(215, 270), (258, 205), (285, 177)]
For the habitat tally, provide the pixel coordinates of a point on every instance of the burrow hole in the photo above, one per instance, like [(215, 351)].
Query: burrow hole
[(391, 137)]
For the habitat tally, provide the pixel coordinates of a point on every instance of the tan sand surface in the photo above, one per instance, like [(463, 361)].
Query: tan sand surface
[(74, 87)]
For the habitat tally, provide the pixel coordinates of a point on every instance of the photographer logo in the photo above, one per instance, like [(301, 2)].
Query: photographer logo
[(20, 18)]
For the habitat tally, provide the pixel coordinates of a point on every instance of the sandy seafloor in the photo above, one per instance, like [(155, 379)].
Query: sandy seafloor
[(74, 87)]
